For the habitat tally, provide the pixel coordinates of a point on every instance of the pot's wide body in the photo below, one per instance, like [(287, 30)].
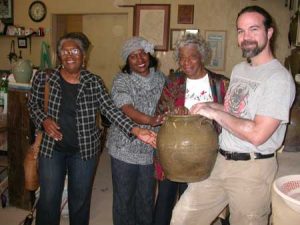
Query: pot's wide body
[(187, 147)]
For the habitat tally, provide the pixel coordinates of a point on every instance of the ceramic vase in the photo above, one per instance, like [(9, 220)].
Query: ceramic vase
[(22, 71), (187, 147)]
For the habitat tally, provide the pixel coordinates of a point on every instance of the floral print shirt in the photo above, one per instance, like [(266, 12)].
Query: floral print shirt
[(173, 94)]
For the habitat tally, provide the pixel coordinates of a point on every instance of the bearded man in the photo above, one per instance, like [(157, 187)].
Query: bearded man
[(254, 118)]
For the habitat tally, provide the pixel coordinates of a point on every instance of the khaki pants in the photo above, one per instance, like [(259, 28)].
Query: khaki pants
[(244, 185)]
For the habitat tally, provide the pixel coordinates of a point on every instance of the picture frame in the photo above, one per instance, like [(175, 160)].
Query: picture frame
[(176, 34), (22, 42), (152, 21), (291, 4), (294, 5), (6, 11), (217, 42), (185, 14)]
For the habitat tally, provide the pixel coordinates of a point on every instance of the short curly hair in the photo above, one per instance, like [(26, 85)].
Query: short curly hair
[(80, 38), (197, 40)]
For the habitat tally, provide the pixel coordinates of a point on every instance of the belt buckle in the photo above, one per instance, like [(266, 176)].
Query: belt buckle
[(254, 155)]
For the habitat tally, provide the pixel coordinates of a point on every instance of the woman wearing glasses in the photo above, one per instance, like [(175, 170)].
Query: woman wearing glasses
[(71, 139)]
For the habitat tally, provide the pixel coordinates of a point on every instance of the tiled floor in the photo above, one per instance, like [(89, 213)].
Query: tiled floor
[(102, 192)]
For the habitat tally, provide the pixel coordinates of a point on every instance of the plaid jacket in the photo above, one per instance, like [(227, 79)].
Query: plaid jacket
[(92, 99)]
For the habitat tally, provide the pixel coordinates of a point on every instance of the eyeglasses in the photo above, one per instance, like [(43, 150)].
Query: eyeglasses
[(72, 52)]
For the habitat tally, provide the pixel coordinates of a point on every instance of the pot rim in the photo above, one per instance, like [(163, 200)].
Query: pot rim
[(184, 116)]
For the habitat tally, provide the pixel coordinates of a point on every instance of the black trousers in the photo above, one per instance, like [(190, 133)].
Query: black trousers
[(168, 191)]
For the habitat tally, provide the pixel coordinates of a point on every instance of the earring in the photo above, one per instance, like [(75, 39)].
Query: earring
[(62, 66)]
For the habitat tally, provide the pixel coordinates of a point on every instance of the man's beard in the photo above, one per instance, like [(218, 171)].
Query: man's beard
[(251, 52)]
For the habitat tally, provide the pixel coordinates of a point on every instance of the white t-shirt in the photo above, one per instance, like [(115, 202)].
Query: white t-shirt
[(197, 90)]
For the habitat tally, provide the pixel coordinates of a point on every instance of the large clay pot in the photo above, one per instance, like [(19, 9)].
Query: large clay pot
[(22, 71), (187, 147)]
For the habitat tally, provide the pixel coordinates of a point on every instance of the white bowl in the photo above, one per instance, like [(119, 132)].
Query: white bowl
[(288, 188)]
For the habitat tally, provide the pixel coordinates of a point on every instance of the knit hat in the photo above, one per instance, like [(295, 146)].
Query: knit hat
[(134, 44)]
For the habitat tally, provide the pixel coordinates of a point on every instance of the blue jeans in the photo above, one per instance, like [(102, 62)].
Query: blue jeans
[(133, 193), (166, 199), (52, 173)]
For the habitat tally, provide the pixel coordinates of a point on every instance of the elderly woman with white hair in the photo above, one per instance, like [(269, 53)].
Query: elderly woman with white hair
[(191, 84), (136, 91)]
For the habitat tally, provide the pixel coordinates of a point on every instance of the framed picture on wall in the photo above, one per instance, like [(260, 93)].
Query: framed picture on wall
[(185, 14), (6, 11), (217, 42), (176, 34), (294, 6), (152, 21), (22, 42)]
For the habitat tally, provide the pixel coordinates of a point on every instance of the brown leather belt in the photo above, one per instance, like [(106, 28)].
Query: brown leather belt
[(243, 156)]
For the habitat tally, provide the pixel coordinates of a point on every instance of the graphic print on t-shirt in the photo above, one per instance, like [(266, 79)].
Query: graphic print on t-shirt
[(236, 99)]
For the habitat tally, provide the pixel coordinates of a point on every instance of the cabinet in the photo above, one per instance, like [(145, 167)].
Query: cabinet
[(19, 139), (292, 141)]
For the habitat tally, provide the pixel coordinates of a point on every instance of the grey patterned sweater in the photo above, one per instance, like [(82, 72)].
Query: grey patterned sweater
[(143, 93)]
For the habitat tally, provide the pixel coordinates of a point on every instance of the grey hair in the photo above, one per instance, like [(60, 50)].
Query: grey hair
[(196, 40), (80, 38)]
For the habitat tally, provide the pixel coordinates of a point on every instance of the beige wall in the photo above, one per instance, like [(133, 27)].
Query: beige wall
[(108, 26), (107, 32)]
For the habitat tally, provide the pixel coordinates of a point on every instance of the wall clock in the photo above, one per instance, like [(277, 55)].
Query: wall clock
[(37, 11)]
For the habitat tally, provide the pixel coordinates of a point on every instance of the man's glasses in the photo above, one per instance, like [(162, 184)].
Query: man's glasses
[(71, 52)]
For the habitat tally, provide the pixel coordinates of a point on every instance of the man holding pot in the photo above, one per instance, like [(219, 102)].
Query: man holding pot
[(253, 119)]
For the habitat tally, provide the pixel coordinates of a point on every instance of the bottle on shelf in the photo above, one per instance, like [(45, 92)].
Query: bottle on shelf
[(3, 94)]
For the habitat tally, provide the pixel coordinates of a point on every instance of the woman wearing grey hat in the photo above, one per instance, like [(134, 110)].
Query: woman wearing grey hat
[(136, 91)]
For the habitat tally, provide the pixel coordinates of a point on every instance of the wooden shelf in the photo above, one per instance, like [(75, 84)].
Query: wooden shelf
[(20, 36)]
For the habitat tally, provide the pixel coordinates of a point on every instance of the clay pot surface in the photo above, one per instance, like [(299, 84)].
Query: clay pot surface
[(187, 147)]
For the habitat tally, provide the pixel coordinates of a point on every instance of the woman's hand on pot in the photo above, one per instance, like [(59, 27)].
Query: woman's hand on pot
[(181, 110), (156, 120), (52, 129), (145, 135)]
